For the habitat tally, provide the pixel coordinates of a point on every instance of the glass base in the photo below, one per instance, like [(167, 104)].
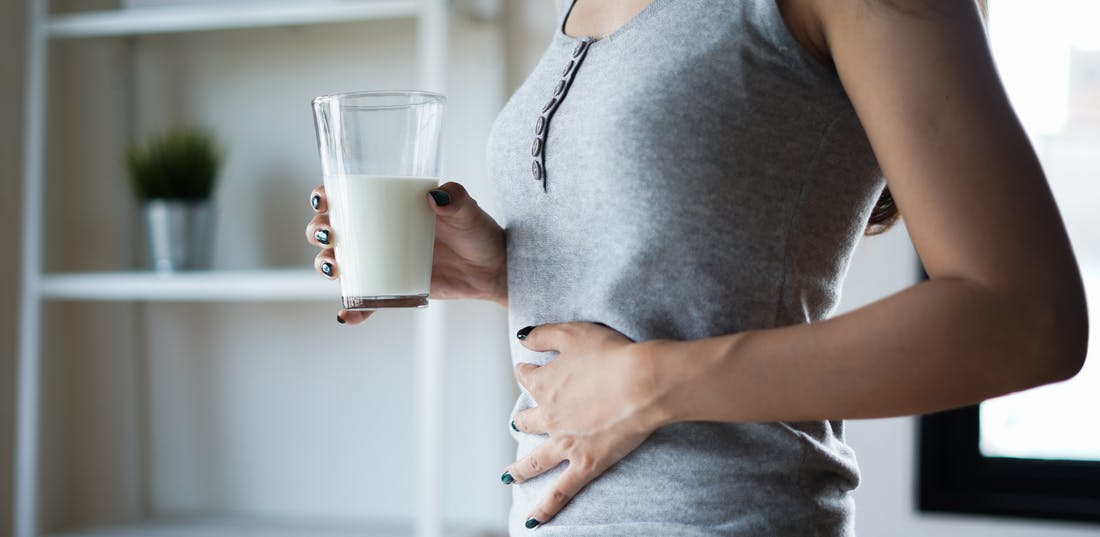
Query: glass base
[(379, 302)]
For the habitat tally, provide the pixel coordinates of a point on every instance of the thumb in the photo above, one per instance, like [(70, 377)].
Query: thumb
[(453, 205)]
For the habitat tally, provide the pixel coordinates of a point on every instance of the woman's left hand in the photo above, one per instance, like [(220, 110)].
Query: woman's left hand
[(597, 400)]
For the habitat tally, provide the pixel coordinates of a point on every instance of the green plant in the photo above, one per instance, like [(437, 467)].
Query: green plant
[(181, 164)]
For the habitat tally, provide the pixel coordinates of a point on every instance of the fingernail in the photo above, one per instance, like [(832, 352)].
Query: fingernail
[(507, 479), (531, 523), (522, 334), (441, 197), (326, 268), (514, 428), (315, 201), (340, 319), (321, 235)]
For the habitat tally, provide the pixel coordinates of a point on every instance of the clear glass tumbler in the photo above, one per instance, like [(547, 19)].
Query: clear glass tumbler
[(380, 157)]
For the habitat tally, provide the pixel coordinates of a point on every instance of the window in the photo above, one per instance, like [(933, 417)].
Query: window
[(1037, 453)]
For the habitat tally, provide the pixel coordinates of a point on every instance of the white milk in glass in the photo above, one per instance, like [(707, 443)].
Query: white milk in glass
[(383, 233)]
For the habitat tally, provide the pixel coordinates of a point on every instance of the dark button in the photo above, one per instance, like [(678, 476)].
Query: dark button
[(540, 125), (568, 68), (580, 48), (559, 88), (536, 147), (549, 104), (536, 170)]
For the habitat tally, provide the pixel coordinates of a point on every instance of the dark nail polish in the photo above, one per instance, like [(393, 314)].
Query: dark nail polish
[(441, 197), (514, 428), (340, 319), (531, 523), (315, 201), (326, 268), (522, 334), (321, 235), (507, 479)]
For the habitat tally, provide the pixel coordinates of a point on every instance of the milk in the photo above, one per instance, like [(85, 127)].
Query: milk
[(383, 232)]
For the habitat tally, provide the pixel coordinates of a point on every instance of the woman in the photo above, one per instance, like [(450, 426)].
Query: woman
[(683, 187)]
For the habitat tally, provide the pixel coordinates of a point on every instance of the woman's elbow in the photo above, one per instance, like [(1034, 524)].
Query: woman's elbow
[(1065, 324)]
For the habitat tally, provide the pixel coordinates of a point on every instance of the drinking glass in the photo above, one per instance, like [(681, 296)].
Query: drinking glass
[(379, 158)]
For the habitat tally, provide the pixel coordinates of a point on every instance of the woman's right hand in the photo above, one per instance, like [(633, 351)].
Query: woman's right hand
[(468, 260)]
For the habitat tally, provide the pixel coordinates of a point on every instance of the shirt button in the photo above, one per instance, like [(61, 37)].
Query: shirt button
[(536, 147), (568, 68), (536, 170), (559, 88), (540, 125), (580, 48), (549, 104)]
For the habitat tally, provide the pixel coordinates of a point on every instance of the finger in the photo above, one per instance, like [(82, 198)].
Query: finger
[(454, 206), (561, 337), (572, 480), (352, 316), (319, 231), (526, 376), (531, 421), (325, 263), (541, 459), (547, 337), (318, 200)]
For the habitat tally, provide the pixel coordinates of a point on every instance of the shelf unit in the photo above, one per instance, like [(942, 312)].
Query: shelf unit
[(432, 18)]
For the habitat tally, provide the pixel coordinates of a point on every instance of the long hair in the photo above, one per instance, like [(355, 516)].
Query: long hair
[(883, 215)]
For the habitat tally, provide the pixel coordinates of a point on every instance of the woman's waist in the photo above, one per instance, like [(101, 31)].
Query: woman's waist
[(744, 477)]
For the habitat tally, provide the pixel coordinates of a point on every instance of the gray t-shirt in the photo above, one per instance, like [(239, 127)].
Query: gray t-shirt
[(700, 174)]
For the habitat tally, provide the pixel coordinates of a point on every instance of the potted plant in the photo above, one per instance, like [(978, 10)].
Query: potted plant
[(173, 176)]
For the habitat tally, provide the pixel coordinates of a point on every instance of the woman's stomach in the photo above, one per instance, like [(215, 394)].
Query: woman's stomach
[(702, 478)]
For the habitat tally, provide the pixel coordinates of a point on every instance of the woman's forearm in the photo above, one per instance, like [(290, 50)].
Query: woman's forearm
[(940, 344)]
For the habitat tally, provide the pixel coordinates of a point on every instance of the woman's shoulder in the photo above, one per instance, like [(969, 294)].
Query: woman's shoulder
[(808, 20)]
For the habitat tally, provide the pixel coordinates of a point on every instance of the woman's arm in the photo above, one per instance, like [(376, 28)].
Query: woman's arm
[(1004, 307)]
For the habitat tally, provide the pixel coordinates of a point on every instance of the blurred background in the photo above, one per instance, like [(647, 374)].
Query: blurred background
[(270, 410)]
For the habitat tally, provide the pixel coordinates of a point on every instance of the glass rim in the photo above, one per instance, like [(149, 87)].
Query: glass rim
[(425, 97)]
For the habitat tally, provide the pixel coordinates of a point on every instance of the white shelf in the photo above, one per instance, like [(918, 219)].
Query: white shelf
[(229, 527), (192, 18), (205, 286)]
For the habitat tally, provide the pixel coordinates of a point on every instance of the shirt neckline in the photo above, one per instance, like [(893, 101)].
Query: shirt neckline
[(645, 13)]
